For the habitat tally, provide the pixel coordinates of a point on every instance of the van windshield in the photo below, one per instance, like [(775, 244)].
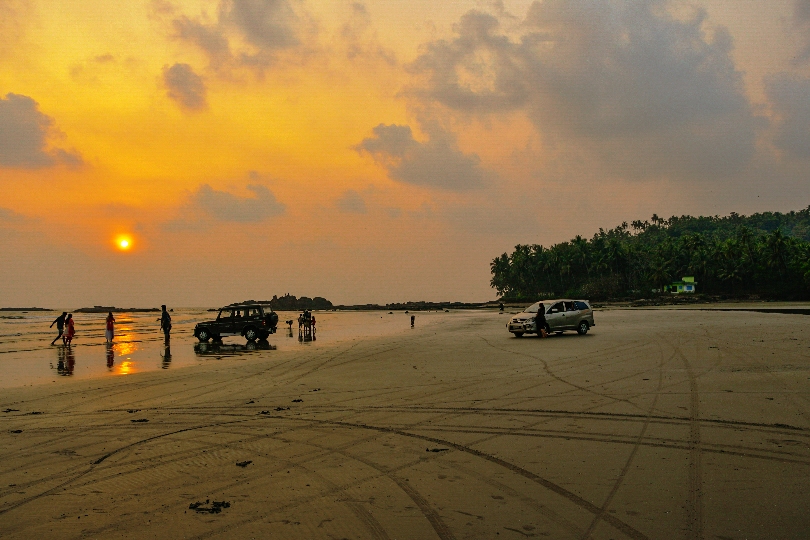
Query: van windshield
[(534, 308)]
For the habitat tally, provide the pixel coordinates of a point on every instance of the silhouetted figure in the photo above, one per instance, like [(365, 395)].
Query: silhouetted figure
[(540, 321), (60, 325), (165, 321), (312, 323), (70, 331), (500, 306), (109, 333), (413, 320)]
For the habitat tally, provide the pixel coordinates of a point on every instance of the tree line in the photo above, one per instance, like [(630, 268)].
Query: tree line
[(765, 254)]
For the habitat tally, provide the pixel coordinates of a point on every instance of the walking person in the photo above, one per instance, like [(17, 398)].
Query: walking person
[(165, 321), (70, 331), (110, 332), (60, 325)]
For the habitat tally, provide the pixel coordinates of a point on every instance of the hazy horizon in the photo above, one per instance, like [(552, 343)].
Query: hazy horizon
[(378, 151)]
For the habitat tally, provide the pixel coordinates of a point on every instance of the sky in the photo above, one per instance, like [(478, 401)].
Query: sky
[(379, 151)]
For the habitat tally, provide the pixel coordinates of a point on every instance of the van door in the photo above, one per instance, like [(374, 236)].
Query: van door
[(555, 316), (572, 315)]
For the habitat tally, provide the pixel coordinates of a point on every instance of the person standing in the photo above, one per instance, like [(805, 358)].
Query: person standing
[(70, 331), (165, 321), (110, 332), (60, 325), (540, 321)]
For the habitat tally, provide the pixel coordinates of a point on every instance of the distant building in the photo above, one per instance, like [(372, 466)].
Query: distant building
[(686, 285)]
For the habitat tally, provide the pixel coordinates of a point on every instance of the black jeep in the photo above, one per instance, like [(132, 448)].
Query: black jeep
[(253, 321)]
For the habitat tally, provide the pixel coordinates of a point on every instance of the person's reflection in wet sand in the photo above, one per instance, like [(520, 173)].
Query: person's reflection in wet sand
[(110, 356), (166, 353), (67, 361)]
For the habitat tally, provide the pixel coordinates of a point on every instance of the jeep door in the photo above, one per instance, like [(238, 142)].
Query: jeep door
[(555, 316)]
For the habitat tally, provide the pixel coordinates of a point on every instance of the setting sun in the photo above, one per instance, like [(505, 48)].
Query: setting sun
[(123, 243)]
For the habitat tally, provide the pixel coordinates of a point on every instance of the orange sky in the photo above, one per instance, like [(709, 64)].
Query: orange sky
[(374, 152)]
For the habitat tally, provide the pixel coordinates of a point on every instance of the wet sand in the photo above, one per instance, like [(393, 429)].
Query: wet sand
[(658, 424)]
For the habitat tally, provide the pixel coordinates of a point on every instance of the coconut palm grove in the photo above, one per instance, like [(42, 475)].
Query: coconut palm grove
[(766, 254)]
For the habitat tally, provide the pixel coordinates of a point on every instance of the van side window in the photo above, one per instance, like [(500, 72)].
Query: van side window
[(556, 308), (582, 306), (569, 306)]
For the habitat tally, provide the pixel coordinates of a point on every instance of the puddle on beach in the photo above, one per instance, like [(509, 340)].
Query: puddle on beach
[(27, 358)]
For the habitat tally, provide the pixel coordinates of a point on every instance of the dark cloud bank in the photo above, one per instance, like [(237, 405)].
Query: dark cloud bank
[(185, 87), (649, 94), (24, 133)]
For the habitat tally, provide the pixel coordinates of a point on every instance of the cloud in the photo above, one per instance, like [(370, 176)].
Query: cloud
[(267, 24), (435, 163), (185, 87), (351, 202), (24, 133), (648, 93), (207, 203), (790, 100), (801, 19), (246, 33)]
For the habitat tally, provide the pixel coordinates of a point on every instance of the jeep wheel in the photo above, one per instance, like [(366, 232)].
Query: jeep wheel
[(251, 334), (518, 334), (203, 335), (582, 329)]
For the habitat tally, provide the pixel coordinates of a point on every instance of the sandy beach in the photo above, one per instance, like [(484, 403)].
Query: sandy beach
[(671, 424)]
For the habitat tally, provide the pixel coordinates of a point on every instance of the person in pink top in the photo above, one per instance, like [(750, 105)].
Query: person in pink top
[(70, 331), (110, 333)]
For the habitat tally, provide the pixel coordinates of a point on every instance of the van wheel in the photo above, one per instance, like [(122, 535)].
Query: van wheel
[(251, 334), (582, 329), (518, 334), (203, 336)]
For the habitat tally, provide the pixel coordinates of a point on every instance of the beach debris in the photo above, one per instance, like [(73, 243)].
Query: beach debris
[(34, 413), (315, 390), (11, 410), (264, 412), (138, 420), (209, 507), (282, 408), (437, 449), (243, 464), (249, 402), (16, 431), (133, 411), (298, 400)]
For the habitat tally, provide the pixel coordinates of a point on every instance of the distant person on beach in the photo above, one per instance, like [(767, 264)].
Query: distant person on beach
[(413, 320), (312, 322), (60, 325), (110, 332), (165, 321), (70, 331)]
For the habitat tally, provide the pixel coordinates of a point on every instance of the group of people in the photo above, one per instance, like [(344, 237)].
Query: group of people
[(65, 326)]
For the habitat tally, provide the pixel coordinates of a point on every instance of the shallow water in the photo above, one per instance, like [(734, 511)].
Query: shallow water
[(27, 358)]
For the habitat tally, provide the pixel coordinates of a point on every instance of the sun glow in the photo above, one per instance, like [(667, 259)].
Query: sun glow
[(123, 243)]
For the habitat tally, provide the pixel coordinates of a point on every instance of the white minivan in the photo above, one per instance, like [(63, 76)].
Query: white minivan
[(560, 315)]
